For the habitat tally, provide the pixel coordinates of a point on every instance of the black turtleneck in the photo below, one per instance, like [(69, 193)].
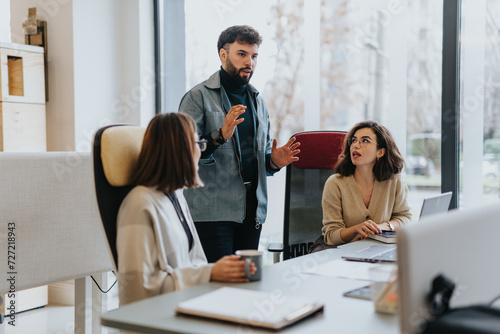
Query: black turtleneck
[(238, 94)]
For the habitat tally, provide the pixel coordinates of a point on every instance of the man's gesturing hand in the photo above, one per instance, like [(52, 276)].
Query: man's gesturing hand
[(282, 156), (231, 120)]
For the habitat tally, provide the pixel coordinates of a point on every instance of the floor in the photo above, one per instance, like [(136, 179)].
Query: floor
[(56, 318), (51, 319)]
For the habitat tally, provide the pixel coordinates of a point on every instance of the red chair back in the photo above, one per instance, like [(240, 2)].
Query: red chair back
[(305, 179), (319, 149)]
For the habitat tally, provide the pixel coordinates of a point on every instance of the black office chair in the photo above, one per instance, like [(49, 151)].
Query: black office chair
[(305, 179), (115, 150)]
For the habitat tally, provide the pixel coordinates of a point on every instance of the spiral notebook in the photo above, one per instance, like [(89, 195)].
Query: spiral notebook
[(249, 307)]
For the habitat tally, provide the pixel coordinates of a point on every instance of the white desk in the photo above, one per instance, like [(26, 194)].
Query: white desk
[(341, 315)]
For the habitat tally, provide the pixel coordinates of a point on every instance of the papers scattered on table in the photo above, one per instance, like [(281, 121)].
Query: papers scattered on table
[(344, 269)]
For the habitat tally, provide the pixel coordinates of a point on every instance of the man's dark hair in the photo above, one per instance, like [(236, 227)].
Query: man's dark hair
[(242, 34)]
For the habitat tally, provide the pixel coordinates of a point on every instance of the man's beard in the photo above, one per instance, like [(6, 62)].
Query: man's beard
[(234, 73)]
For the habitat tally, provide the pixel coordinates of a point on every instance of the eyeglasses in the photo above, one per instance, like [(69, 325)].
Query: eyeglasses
[(202, 144), (362, 143)]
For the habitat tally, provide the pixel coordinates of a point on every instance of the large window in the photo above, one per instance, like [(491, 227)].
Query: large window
[(423, 152), (382, 61), (328, 64), (480, 102)]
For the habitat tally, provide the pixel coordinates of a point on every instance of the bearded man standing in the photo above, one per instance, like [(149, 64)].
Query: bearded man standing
[(231, 115)]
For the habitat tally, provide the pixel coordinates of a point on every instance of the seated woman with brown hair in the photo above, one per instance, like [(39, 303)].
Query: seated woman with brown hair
[(367, 194), (157, 244)]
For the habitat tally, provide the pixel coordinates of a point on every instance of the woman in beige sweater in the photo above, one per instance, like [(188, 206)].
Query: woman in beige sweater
[(367, 194)]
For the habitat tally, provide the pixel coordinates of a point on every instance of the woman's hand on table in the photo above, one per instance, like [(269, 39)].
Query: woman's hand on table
[(366, 228)]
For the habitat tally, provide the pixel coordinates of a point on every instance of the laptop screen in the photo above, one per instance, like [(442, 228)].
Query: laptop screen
[(436, 204)]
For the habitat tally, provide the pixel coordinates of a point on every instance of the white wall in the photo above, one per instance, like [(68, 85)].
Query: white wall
[(112, 57), (60, 115), (97, 70), (138, 83), (5, 21), (99, 54)]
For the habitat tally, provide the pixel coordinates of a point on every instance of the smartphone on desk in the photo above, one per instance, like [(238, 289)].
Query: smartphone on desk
[(359, 293)]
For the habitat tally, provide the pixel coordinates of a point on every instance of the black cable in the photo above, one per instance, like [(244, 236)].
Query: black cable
[(494, 301), (112, 285)]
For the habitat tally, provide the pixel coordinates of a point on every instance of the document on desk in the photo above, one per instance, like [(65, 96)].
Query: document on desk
[(343, 269), (250, 307)]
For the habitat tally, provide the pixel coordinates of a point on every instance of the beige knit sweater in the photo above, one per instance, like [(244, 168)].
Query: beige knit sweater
[(343, 206)]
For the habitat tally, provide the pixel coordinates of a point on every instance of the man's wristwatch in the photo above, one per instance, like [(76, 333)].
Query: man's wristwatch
[(218, 137)]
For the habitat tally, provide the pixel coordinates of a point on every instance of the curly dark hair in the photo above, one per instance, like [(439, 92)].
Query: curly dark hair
[(391, 163), (242, 34)]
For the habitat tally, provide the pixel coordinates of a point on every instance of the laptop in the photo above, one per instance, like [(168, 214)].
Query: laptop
[(436, 204), (374, 254), (431, 206)]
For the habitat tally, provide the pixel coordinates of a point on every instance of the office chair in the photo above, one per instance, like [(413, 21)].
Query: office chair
[(115, 151), (305, 178)]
